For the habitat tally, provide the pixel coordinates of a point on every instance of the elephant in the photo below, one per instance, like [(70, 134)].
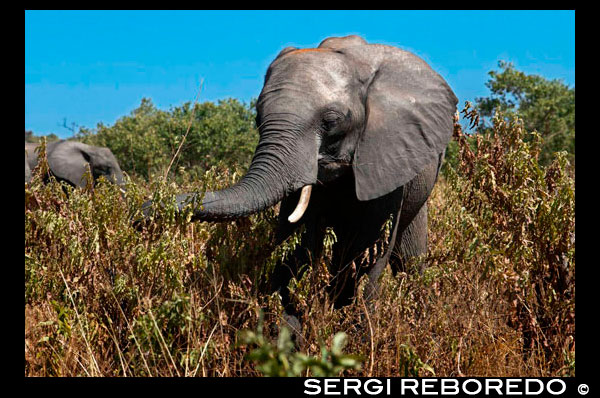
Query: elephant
[(352, 136), (68, 161), (27, 169)]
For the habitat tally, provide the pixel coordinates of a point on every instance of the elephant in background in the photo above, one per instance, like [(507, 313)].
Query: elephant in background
[(352, 135), (68, 161), (27, 169)]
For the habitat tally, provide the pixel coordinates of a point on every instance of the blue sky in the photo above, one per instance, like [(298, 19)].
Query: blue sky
[(96, 66)]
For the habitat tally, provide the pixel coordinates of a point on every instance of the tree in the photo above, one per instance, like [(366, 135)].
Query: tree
[(145, 141), (30, 137), (546, 106)]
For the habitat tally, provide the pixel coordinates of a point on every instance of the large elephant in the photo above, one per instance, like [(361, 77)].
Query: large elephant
[(68, 161), (351, 135)]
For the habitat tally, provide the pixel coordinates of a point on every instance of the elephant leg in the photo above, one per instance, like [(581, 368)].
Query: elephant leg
[(412, 225), (372, 289), (295, 265), (353, 261), (307, 251), (410, 242), (361, 248)]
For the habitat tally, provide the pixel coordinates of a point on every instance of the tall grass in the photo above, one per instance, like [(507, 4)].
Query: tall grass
[(497, 296)]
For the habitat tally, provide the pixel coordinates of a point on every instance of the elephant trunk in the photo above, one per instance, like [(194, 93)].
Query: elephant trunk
[(281, 165)]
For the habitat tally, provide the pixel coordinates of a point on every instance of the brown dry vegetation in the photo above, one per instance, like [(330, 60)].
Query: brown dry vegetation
[(497, 297)]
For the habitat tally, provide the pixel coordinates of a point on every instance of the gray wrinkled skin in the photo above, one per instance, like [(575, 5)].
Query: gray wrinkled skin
[(68, 161), (367, 126), (27, 171)]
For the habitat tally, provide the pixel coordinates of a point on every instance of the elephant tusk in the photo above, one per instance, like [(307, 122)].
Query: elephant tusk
[(302, 204)]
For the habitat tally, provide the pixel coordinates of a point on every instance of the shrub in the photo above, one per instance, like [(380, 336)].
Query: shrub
[(145, 141), (496, 297), (545, 106), (520, 229)]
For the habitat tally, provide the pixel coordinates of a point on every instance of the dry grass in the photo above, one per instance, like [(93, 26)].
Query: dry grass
[(496, 298)]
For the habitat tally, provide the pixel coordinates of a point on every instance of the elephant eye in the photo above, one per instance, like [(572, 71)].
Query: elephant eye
[(330, 119)]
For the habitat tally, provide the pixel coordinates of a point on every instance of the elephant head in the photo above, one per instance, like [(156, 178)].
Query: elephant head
[(68, 161), (346, 107), (31, 156)]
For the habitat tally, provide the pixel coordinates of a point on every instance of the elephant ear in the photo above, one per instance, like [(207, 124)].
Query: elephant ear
[(409, 113), (69, 161)]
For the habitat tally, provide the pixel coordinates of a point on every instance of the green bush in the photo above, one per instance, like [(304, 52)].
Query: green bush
[(146, 141), (545, 106), (281, 360), (30, 137)]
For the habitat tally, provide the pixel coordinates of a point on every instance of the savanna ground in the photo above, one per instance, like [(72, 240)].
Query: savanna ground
[(497, 297)]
